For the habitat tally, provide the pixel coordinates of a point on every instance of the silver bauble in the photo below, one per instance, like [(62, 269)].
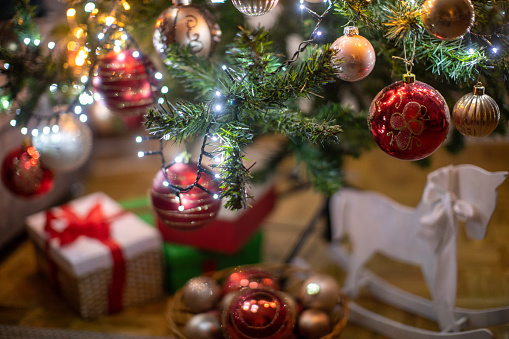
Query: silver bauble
[(187, 25), (203, 326), (254, 7), (64, 144), (200, 294)]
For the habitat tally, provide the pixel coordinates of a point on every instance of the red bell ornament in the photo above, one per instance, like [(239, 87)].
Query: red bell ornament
[(24, 175), (409, 119), (122, 82), (195, 208), (258, 313)]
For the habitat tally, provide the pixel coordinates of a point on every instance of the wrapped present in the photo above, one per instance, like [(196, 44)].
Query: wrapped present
[(231, 229), (185, 262), (100, 257)]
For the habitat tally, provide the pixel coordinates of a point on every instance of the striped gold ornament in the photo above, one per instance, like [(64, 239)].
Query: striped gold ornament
[(476, 114)]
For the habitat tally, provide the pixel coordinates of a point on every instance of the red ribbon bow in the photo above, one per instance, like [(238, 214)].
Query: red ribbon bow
[(94, 225)]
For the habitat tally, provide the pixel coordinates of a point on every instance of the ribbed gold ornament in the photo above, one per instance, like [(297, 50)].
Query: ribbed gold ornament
[(476, 114)]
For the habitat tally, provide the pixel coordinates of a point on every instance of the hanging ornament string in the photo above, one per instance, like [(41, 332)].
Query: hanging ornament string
[(177, 190), (408, 63)]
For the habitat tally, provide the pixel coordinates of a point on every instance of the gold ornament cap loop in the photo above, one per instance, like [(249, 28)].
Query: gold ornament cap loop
[(351, 31), (479, 89), (409, 78)]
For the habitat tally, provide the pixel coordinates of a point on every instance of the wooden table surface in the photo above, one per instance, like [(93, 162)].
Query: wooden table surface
[(27, 299)]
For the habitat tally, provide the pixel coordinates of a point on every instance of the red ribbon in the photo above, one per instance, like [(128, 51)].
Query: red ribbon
[(95, 225)]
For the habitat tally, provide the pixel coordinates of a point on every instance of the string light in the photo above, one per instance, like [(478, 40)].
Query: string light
[(24, 130), (139, 139), (77, 109), (35, 132), (181, 208), (126, 6), (83, 118), (5, 104), (158, 75), (141, 154), (55, 128), (84, 79), (37, 42), (100, 36), (71, 12), (164, 89), (89, 7), (136, 54), (26, 41), (109, 20), (46, 130), (51, 45), (179, 159), (7, 65), (13, 123)]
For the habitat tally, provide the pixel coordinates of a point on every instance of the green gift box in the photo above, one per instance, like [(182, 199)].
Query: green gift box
[(185, 262)]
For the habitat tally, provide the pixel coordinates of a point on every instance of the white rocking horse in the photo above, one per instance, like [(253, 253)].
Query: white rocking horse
[(425, 236)]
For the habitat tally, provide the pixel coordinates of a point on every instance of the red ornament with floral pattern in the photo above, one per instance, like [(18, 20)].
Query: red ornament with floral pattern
[(409, 119)]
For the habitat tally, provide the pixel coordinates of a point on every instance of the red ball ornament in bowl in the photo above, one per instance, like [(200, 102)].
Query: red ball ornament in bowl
[(409, 119), (196, 208), (122, 82), (24, 175), (249, 277), (258, 313)]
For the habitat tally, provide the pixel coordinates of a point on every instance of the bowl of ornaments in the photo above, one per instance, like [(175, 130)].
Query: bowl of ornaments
[(260, 302)]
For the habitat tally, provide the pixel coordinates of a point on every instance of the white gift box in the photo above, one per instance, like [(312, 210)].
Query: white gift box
[(84, 270)]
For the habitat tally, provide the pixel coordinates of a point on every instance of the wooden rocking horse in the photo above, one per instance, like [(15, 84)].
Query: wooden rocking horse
[(426, 236)]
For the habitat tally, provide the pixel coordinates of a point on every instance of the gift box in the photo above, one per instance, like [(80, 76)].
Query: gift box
[(230, 231), (185, 262), (100, 257)]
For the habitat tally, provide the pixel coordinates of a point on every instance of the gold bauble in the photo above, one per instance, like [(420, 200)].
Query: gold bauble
[(476, 114), (448, 19)]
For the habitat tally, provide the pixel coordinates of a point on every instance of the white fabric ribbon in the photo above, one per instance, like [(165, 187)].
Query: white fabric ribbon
[(443, 211)]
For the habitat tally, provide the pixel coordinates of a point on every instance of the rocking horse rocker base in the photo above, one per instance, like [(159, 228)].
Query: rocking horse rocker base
[(425, 236), (471, 321)]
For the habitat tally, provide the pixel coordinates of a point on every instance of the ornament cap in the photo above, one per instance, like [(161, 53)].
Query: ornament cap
[(351, 31), (479, 89), (409, 78), (181, 2)]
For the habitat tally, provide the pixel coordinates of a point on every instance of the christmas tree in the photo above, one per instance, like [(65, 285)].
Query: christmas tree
[(227, 84)]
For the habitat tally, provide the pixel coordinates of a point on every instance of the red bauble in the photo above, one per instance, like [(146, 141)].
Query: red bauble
[(249, 277), (122, 82), (409, 119), (198, 209), (24, 175), (258, 313)]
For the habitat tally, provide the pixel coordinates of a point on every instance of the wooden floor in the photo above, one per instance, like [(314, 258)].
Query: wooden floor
[(483, 266)]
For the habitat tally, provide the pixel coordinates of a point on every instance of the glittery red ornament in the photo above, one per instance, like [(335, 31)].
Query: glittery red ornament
[(122, 82), (258, 313), (409, 119), (249, 277), (24, 175), (197, 207)]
